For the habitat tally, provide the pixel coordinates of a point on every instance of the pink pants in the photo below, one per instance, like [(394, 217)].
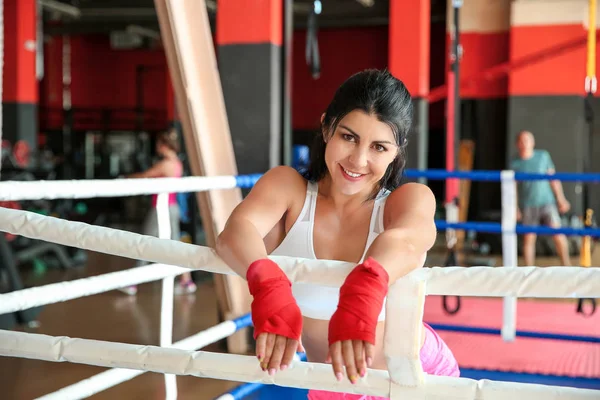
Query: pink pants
[(436, 359)]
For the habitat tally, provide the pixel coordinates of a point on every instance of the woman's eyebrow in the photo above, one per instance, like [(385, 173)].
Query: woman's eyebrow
[(375, 141), (349, 130)]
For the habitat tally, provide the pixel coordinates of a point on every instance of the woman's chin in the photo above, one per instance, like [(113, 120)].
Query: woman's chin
[(350, 188)]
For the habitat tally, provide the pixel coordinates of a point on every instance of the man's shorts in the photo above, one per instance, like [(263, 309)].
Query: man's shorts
[(544, 215)]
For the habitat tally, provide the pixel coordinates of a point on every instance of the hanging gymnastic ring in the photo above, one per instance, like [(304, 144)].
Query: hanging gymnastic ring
[(447, 308)]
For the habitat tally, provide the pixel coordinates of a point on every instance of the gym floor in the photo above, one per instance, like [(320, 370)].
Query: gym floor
[(114, 316)]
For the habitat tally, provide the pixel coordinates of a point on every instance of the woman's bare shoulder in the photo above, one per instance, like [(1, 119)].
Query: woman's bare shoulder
[(411, 197), (282, 178)]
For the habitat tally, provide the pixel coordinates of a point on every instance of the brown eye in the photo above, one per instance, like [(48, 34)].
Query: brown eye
[(379, 148), (348, 138)]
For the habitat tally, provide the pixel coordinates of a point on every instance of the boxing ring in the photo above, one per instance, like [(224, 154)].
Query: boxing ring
[(406, 298)]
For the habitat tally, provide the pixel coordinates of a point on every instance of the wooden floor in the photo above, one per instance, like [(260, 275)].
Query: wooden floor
[(114, 316)]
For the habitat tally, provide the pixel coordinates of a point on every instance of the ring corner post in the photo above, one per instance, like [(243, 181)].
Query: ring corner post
[(190, 52)]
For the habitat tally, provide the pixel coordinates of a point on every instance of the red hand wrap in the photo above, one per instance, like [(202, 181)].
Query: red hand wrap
[(361, 300), (274, 308)]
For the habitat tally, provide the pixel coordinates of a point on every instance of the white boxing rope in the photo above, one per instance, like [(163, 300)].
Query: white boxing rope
[(509, 249), (69, 290), (548, 282), (112, 377), (92, 188), (304, 375), (106, 240)]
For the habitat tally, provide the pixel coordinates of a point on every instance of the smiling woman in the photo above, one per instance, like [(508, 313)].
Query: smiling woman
[(372, 110), (349, 207)]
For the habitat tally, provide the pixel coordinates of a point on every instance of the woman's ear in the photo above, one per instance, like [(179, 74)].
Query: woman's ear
[(323, 133)]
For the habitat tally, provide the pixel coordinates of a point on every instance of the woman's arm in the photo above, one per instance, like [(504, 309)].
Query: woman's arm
[(409, 230), (241, 242), (409, 233), (158, 170), (275, 314)]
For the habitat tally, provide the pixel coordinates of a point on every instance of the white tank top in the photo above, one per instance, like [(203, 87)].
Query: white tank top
[(320, 302)]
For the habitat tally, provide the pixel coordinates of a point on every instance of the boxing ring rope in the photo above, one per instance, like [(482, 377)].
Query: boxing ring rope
[(15, 191), (107, 379), (548, 282), (551, 277), (507, 228), (92, 188), (534, 282), (63, 291), (246, 369)]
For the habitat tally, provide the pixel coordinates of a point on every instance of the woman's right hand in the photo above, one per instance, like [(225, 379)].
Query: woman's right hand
[(276, 352), (276, 316)]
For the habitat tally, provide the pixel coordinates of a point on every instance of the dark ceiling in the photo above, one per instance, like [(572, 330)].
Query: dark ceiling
[(104, 16)]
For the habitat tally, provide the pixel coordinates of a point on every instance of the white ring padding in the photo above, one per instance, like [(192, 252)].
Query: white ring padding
[(238, 368), (548, 282), (64, 291), (509, 201), (107, 379), (509, 250), (405, 306), (86, 189)]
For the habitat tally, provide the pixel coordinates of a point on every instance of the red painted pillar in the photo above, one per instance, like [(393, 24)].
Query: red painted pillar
[(408, 60), (172, 116), (20, 90)]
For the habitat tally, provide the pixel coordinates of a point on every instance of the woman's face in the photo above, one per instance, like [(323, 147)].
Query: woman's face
[(359, 152)]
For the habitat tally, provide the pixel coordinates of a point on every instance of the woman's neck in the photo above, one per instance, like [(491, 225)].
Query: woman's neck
[(343, 202)]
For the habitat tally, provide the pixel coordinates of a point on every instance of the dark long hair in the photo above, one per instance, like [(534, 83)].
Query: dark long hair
[(170, 139), (376, 93)]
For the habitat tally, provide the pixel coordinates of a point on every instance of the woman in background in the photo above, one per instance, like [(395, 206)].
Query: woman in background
[(169, 166)]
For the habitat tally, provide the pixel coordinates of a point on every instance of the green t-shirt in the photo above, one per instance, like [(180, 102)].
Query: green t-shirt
[(534, 193)]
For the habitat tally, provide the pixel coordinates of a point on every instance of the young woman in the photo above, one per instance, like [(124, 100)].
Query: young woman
[(351, 208), (169, 166)]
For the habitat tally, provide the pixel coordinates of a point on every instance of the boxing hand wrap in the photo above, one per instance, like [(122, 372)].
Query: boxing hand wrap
[(361, 300), (274, 308)]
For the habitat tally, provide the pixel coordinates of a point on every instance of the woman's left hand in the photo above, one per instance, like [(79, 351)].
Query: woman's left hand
[(355, 355), (353, 325)]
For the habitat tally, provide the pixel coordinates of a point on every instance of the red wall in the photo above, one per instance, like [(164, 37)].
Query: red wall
[(559, 73), (343, 52), (482, 51), (103, 79)]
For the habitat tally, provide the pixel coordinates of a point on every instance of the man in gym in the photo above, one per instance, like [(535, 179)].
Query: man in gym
[(540, 201)]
